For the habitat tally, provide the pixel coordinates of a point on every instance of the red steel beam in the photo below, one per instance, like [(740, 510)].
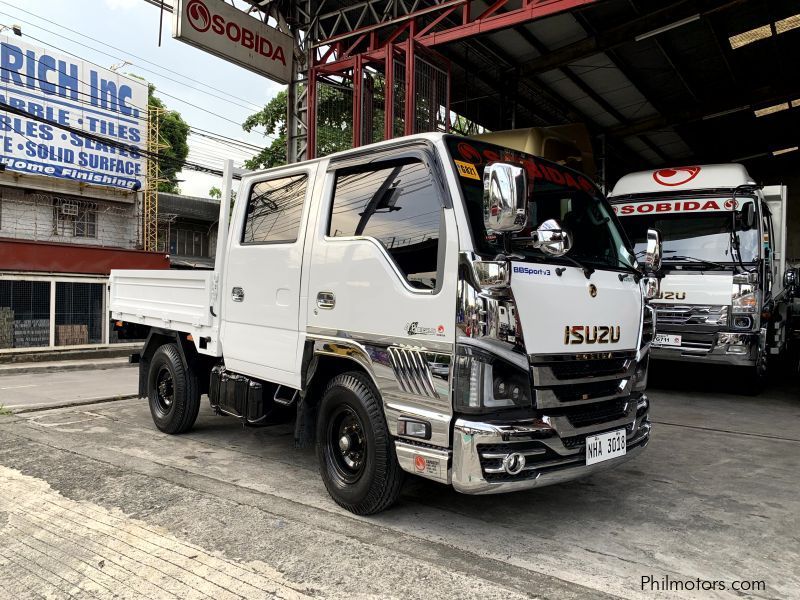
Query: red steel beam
[(530, 12)]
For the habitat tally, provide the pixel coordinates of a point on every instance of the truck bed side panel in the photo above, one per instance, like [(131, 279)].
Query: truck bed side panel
[(178, 300)]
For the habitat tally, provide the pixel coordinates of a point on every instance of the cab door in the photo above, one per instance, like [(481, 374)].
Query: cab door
[(385, 254), (382, 279), (261, 281)]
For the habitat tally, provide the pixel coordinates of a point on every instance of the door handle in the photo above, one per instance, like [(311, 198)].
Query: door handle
[(237, 294), (326, 300)]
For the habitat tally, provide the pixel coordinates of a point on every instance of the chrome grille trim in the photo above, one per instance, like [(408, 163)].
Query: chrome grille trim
[(692, 314), (548, 384), (412, 371)]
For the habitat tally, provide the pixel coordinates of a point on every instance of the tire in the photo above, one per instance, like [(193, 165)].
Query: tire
[(755, 378), (172, 391), (357, 458)]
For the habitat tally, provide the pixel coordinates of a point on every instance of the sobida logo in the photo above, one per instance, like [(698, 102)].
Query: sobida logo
[(202, 20)]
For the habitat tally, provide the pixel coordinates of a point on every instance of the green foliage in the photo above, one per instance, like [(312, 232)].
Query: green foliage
[(173, 133), (215, 192), (334, 125)]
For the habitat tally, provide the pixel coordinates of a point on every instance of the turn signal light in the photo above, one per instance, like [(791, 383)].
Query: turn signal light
[(417, 429)]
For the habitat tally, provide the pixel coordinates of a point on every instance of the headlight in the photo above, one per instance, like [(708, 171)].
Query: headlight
[(744, 299), (484, 382)]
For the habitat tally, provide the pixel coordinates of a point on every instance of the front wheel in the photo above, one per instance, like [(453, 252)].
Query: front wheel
[(755, 377), (356, 454), (172, 391)]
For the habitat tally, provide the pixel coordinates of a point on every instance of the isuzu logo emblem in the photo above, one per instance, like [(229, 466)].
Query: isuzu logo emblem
[(592, 290)]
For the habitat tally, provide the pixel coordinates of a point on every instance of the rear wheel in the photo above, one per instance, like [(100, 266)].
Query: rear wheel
[(172, 391), (356, 454)]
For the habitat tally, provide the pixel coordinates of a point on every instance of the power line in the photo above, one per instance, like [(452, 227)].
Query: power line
[(255, 104), (201, 90), (111, 142), (218, 137), (232, 142), (160, 91)]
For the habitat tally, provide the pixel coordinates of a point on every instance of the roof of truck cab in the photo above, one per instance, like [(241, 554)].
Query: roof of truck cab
[(399, 141), (679, 179)]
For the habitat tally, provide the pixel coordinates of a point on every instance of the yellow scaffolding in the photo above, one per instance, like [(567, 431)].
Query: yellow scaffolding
[(150, 192)]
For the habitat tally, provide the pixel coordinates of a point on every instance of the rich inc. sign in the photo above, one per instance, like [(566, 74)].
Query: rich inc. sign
[(63, 94)]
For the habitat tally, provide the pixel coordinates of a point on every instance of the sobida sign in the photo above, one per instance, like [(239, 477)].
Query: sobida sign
[(227, 32)]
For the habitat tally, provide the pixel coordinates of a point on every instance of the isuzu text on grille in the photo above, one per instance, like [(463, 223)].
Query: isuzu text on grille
[(586, 334)]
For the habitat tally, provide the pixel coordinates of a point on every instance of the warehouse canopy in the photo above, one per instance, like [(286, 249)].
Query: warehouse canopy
[(656, 83)]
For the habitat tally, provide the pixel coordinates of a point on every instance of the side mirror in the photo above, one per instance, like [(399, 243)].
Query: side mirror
[(651, 287), (748, 215), (505, 197), (552, 239), (492, 274), (652, 256)]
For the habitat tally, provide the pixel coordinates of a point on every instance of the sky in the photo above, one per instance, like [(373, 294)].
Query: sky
[(131, 26)]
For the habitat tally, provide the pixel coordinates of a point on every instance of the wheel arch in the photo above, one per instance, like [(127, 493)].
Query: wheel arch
[(157, 338), (324, 359)]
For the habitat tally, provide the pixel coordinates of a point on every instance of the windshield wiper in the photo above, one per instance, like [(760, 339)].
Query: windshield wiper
[(697, 260), (587, 271)]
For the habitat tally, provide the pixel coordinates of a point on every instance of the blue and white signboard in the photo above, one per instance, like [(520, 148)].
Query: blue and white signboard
[(68, 92)]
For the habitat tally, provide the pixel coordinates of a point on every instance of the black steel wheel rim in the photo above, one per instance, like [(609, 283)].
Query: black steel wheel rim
[(347, 444), (165, 389)]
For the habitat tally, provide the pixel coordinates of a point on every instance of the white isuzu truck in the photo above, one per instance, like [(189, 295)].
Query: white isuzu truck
[(722, 297), (430, 305)]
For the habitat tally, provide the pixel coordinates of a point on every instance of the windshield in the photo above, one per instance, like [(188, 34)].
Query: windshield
[(690, 235), (555, 192)]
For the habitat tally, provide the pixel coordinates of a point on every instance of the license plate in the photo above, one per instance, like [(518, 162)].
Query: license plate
[(666, 339), (605, 446)]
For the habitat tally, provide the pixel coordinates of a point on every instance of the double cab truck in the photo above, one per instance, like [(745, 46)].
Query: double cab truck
[(429, 305), (722, 295)]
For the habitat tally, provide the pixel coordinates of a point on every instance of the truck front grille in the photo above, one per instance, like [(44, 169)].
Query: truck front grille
[(602, 412), (577, 379), (580, 369), (691, 314), (589, 390)]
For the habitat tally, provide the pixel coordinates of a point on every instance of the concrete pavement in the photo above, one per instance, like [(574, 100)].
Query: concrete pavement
[(26, 391), (713, 497)]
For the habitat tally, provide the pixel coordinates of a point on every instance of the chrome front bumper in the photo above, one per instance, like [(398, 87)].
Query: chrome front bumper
[(726, 348), (554, 450)]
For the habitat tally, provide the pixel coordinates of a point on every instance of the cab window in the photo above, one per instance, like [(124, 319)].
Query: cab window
[(396, 204)]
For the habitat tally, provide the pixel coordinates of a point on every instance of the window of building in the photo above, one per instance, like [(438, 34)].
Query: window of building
[(187, 239), (274, 210), (75, 219), (397, 205)]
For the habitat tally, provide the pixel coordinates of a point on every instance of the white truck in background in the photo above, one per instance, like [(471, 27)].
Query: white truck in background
[(725, 292), (429, 305)]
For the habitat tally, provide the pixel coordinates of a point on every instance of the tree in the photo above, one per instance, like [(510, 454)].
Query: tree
[(334, 125), (215, 192), (173, 134)]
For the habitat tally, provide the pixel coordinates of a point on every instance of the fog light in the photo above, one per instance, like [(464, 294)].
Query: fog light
[(417, 429), (514, 463), (737, 350)]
